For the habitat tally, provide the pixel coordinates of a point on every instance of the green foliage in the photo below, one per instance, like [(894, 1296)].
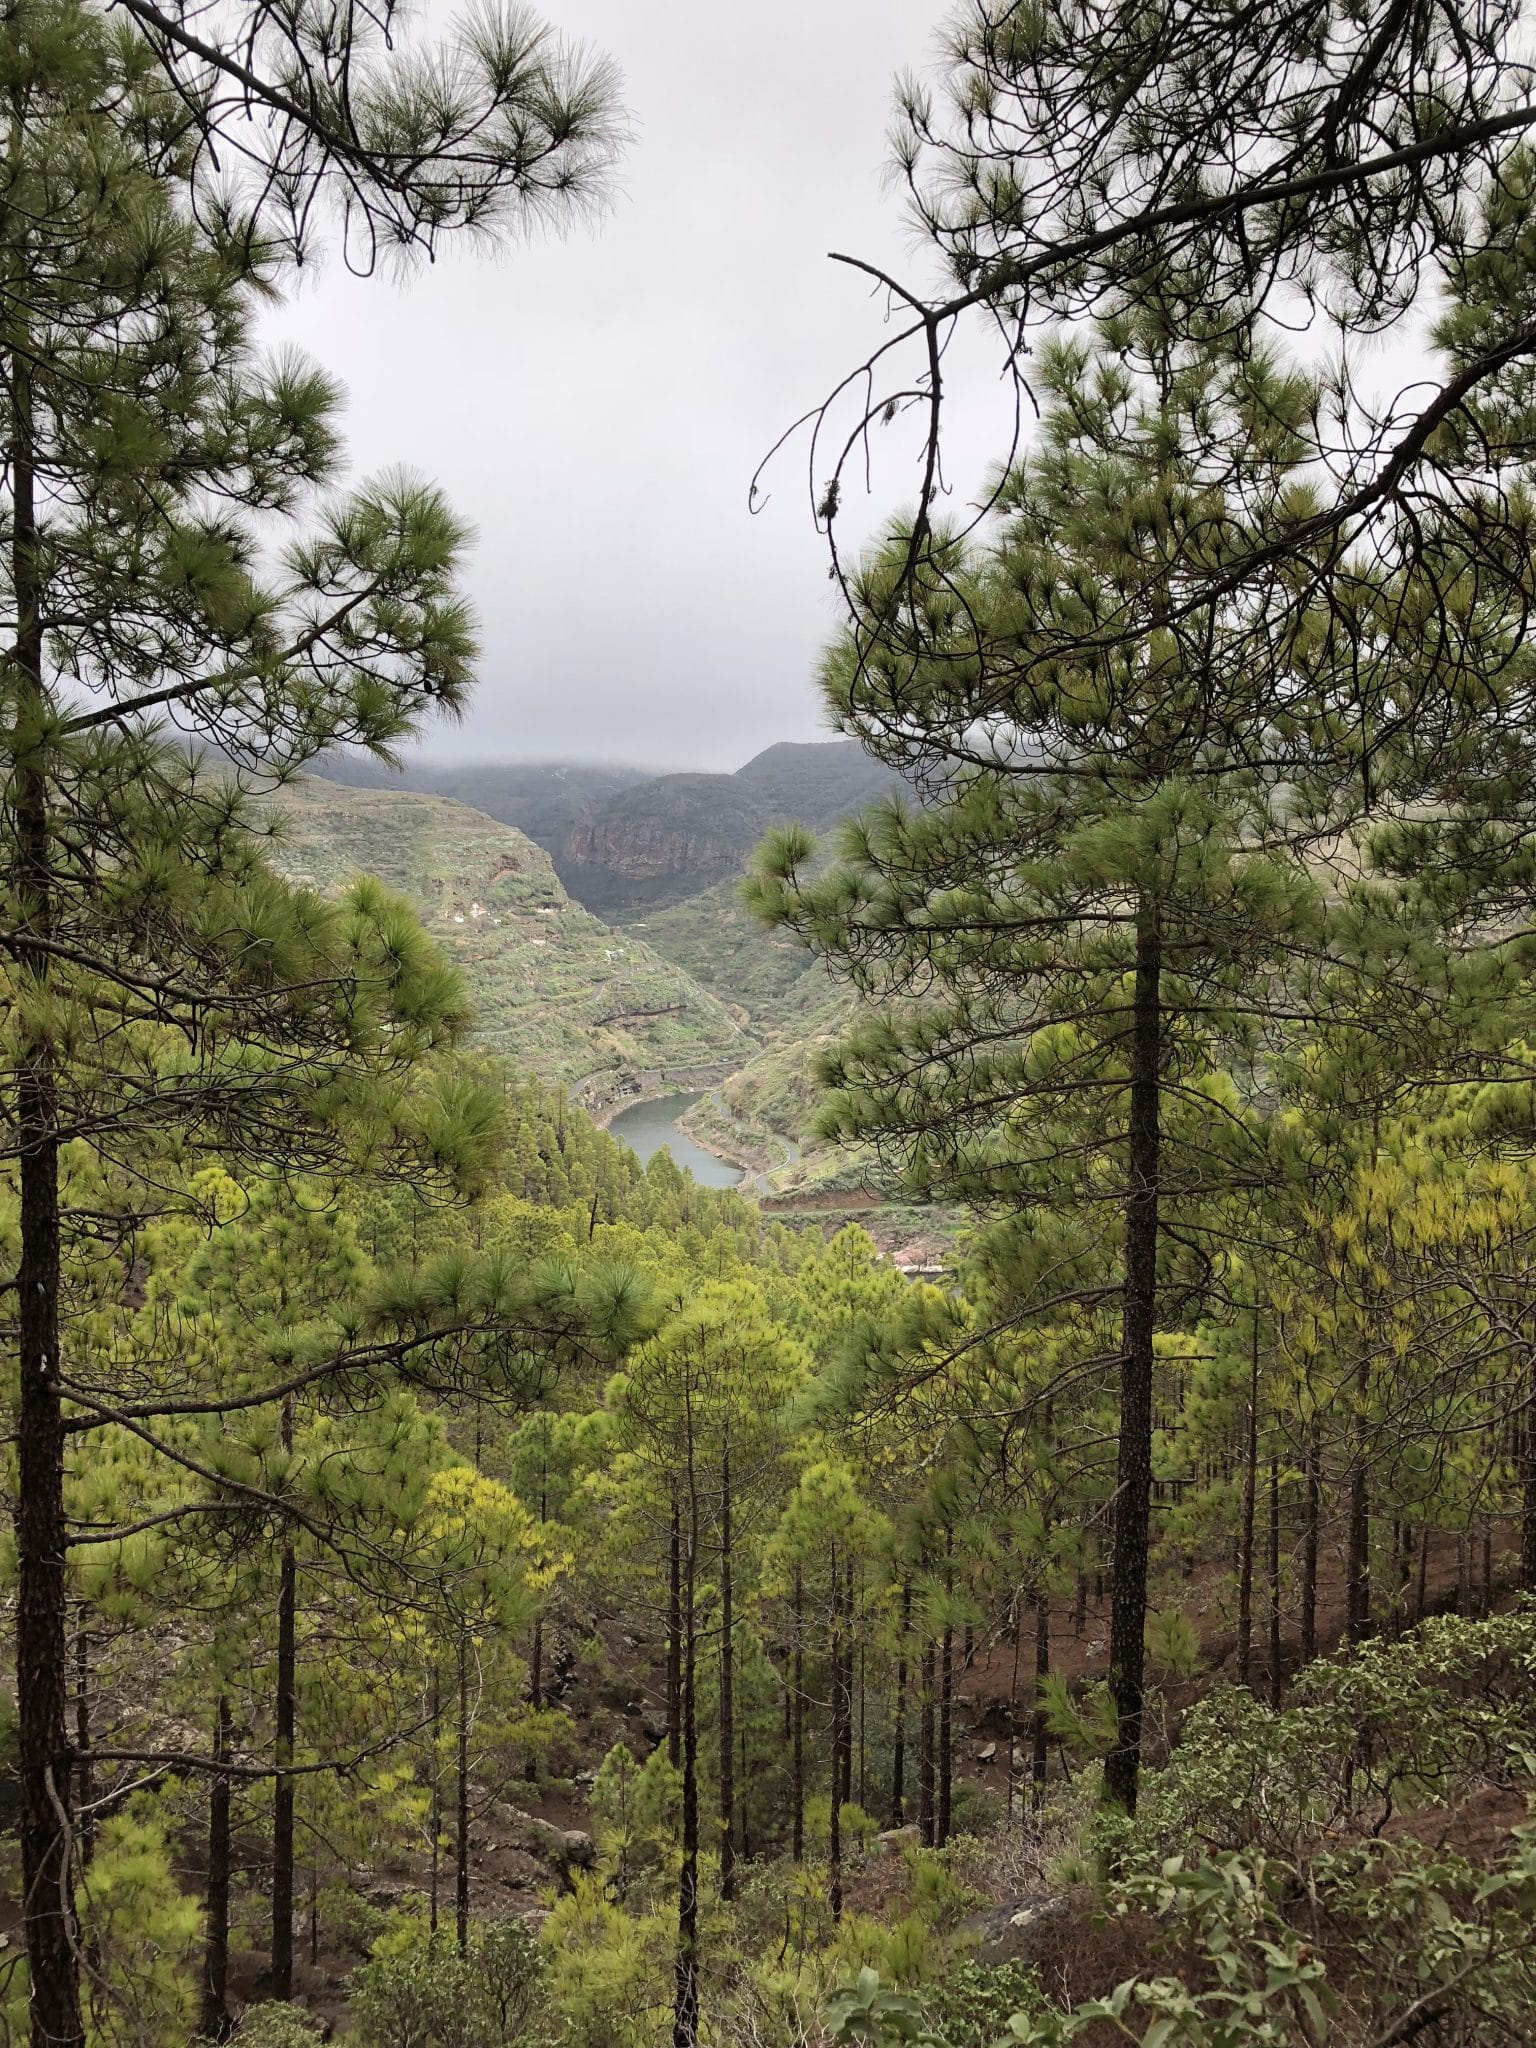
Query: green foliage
[(867, 2013), (272, 2024), (971, 2004), (427, 1995), (144, 1933), (1173, 1643), (609, 1974), (1395, 1724), (635, 1812)]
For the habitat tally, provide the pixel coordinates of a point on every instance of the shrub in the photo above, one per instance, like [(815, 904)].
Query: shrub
[(143, 1933), (422, 1993), (971, 2004), (1418, 1720), (275, 2025), (609, 1973)]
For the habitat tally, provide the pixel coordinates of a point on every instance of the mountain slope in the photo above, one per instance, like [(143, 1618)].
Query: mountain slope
[(658, 843), (626, 841), (815, 782), (552, 987)]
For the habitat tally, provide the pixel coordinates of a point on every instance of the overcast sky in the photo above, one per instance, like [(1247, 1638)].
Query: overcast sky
[(596, 405)]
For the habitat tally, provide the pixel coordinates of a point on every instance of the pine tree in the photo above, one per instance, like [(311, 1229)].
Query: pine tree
[(161, 982), (1103, 909), (698, 1419)]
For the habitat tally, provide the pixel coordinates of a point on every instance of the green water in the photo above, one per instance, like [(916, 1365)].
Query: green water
[(649, 1125)]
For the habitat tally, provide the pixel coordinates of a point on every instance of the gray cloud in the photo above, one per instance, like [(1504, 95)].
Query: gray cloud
[(596, 405)]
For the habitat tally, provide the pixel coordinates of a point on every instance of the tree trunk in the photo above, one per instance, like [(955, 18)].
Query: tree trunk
[(435, 1808), (674, 1643), (1528, 1489), (746, 1798), (1133, 1480), (797, 1749), (839, 1741), (43, 1758), (1276, 1671), (215, 2021), (283, 1790), (1250, 1507), (85, 1776), (535, 1689), (899, 1731), (845, 1782), (1038, 1731), (925, 1752), (461, 1813), (1358, 1566), (727, 1690), (946, 1737), (685, 2006), (1310, 1547)]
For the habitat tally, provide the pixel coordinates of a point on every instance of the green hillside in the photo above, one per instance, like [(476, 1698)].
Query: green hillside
[(714, 939), (553, 988)]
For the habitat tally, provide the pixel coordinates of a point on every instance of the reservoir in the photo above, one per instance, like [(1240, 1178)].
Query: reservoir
[(647, 1126)]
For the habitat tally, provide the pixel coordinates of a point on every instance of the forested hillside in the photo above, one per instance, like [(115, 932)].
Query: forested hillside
[(466, 1587)]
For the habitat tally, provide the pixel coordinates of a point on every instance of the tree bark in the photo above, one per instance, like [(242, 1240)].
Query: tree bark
[(1310, 1547), (84, 1775), (1039, 1734), (899, 1714), (461, 1806), (797, 1745), (215, 2020), (946, 1758), (685, 2005), (746, 1798), (674, 1643), (1133, 1480), (727, 1689), (845, 1783), (925, 1752), (1276, 1669), (47, 1824), (435, 1808), (1249, 1517), (839, 1741), (1358, 1567), (283, 1789)]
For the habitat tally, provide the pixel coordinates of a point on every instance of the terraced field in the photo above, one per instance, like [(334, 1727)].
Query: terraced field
[(554, 989)]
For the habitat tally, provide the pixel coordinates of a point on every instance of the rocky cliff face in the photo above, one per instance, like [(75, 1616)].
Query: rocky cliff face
[(660, 842)]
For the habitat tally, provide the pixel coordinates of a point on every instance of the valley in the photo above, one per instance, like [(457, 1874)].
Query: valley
[(669, 996)]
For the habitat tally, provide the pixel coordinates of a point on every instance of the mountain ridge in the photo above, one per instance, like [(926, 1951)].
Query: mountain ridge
[(626, 841)]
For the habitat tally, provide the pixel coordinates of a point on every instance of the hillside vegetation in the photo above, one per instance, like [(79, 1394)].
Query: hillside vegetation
[(551, 987)]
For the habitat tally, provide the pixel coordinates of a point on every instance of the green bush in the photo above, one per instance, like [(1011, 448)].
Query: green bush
[(275, 2025), (1394, 1725), (972, 2004), (426, 1995)]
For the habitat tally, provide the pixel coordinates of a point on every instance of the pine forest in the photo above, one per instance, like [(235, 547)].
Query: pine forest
[(996, 1504)]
